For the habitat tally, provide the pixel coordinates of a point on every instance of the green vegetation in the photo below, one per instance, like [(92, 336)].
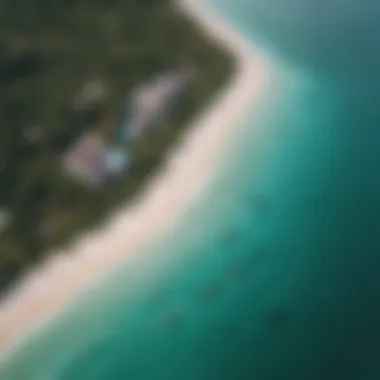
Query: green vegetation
[(48, 50)]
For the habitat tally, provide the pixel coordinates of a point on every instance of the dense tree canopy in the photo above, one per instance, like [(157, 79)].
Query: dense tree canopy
[(48, 50)]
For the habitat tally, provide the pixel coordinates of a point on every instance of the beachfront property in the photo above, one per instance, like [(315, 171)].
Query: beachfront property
[(149, 101), (92, 162), (86, 159), (93, 159)]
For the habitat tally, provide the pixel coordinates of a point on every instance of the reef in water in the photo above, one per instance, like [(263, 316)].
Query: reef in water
[(278, 318), (260, 204), (172, 319), (228, 237), (237, 271), (210, 292)]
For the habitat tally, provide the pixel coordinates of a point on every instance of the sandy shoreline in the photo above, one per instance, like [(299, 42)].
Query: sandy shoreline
[(45, 291)]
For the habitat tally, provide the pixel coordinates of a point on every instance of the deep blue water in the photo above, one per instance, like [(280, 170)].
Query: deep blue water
[(273, 272)]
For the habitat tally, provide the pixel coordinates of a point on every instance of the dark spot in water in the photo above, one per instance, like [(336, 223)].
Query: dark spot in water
[(256, 255), (210, 292), (237, 271), (226, 328), (340, 367), (172, 319), (158, 296), (277, 318), (198, 258), (228, 237), (260, 204)]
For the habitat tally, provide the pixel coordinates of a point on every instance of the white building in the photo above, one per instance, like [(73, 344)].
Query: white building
[(150, 100), (91, 161), (86, 159)]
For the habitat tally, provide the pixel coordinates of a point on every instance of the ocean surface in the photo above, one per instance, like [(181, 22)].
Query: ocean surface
[(273, 271)]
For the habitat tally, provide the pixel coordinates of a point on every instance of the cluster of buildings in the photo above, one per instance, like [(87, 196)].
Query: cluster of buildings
[(92, 162), (92, 159)]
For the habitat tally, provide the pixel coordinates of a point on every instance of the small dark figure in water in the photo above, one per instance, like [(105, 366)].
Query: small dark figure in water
[(340, 367), (261, 205), (237, 271), (228, 328), (278, 318), (257, 255), (210, 292), (172, 319), (158, 296), (228, 237)]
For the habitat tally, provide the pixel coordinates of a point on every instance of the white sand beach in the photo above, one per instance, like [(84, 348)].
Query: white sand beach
[(44, 291)]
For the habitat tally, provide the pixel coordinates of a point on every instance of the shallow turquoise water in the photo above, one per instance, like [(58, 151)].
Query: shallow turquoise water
[(272, 273)]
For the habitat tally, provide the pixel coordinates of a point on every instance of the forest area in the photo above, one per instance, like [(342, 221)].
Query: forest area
[(48, 49)]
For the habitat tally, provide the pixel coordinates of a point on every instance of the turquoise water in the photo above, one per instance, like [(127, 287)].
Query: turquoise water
[(272, 273)]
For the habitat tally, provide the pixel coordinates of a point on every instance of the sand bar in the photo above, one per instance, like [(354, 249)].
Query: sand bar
[(44, 291)]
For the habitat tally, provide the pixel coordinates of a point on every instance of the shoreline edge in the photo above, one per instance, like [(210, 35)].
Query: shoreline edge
[(32, 303)]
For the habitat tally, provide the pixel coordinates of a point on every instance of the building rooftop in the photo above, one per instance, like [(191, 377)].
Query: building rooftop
[(155, 93), (150, 100), (86, 159)]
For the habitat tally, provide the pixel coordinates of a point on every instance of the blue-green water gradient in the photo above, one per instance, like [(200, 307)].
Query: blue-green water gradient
[(273, 271)]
